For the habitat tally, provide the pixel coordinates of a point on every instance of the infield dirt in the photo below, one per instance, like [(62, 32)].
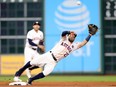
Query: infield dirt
[(66, 84)]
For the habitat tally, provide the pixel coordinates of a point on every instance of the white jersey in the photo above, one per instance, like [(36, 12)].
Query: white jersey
[(63, 48), (30, 51), (35, 36)]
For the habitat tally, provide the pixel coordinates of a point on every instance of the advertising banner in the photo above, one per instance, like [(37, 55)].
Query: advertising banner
[(11, 63)]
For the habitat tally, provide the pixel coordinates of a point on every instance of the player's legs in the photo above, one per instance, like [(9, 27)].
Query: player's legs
[(28, 73), (37, 61), (48, 68), (33, 67), (38, 76), (21, 70), (36, 55), (28, 53), (28, 70), (46, 61)]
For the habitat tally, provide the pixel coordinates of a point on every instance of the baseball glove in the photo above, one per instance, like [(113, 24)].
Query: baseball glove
[(39, 50), (92, 29)]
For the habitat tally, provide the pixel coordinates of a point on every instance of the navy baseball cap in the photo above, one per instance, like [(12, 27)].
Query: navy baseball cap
[(36, 23)]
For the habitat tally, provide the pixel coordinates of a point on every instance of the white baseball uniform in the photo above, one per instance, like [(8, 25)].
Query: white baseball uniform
[(49, 60), (30, 51)]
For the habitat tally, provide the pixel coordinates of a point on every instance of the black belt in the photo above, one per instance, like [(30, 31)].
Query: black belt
[(53, 56), (34, 48)]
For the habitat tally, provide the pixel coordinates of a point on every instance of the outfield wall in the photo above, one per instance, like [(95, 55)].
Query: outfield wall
[(67, 15), (60, 16), (9, 64)]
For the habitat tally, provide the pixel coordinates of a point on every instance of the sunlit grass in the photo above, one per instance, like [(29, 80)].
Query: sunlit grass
[(61, 78)]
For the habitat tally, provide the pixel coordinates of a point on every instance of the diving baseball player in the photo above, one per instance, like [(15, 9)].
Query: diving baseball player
[(34, 40), (62, 49)]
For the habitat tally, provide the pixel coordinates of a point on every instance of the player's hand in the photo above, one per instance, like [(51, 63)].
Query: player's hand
[(41, 47)]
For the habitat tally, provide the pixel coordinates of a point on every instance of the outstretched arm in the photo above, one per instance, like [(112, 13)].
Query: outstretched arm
[(92, 28), (85, 41)]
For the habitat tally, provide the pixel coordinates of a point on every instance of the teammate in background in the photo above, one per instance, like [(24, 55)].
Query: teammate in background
[(34, 40), (62, 49)]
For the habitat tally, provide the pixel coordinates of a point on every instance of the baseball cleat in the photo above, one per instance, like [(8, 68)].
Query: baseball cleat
[(29, 84), (16, 79), (29, 81)]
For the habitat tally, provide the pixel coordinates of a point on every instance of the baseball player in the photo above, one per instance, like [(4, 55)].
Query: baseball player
[(34, 40), (62, 49)]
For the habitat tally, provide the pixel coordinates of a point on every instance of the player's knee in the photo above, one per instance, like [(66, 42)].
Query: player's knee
[(33, 67), (46, 73)]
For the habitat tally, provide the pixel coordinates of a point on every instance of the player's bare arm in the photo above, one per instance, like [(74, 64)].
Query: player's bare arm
[(85, 41)]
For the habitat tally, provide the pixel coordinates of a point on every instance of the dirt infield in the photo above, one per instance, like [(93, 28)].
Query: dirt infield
[(66, 84)]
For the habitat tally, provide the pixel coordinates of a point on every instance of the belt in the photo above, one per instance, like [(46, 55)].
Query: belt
[(53, 56), (34, 48)]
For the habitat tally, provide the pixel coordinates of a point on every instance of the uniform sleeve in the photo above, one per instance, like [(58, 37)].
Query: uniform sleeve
[(42, 36), (29, 35), (75, 46), (31, 43), (41, 42)]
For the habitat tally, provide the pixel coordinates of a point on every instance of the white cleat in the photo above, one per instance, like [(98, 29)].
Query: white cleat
[(16, 79)]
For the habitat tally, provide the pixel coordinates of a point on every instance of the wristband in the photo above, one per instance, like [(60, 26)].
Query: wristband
[(88, 37)]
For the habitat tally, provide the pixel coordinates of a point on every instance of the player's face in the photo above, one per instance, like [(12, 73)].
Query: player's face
[(36, 27), (71, 37)]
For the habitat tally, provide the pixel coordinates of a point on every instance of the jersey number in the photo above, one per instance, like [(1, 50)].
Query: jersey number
[(66, 54)]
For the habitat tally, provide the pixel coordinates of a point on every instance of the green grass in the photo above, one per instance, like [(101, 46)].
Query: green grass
[(60, 78)]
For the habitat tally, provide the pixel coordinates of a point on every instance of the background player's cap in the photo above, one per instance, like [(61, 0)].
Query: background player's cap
[(36, 23)]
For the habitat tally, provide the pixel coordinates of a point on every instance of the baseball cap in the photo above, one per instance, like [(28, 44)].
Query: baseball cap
[(36, 23)]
